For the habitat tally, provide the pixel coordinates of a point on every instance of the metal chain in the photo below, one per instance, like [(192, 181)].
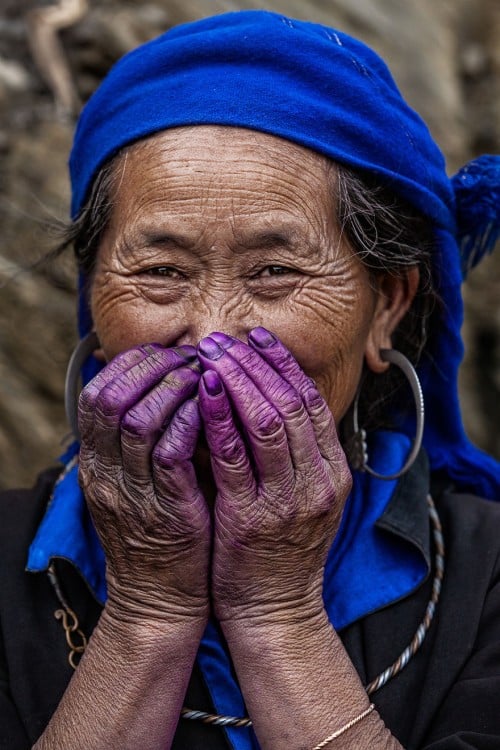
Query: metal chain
[(69, 622), (423, 628)]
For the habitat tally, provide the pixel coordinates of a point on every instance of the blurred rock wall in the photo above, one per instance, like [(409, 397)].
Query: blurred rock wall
[(443, 53)]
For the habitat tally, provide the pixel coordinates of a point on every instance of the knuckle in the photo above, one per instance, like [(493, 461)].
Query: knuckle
[(247, 357), (84, 473), (231, 451), (164, 455), (109, 403), (135, 424), (286, 399), (267, 421), (87, 400), (285, 509), (324, 501), (168, 455), (292, 402), (314, 401), (345, 478), (187, 417), (182, 379), (335, 483)]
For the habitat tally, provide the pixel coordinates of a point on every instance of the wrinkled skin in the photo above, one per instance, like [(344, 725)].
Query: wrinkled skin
[(139, 432), (218, 230), (281, 478), (280, 475)]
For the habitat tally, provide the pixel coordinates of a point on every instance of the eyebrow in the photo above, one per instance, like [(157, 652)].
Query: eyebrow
[(286, 238), (160, 237), (269, 239)]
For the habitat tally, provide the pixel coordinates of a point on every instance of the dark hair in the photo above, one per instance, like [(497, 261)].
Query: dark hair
[(389, 236), (84, 234), (386, 233)]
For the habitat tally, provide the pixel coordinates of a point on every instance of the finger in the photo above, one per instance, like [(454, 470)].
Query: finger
[(124, 360), (174, 476), (280, 359), (143, 423), (123, 392), (283, 396), (231, 466), (88, 396), (260, 421)]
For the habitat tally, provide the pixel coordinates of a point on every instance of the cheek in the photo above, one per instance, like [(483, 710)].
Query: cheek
[(334, 360), (121, 318)]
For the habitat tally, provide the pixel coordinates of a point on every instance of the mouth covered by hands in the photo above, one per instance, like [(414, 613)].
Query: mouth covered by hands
[(280, 473)]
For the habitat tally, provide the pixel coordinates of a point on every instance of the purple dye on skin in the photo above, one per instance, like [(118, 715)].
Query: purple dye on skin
[(212, 382), (262, 337), (187, 351), (222, 339), (190, 413), (210, 348)]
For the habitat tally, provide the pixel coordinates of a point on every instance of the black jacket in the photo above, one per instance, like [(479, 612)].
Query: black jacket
[(447, 698)]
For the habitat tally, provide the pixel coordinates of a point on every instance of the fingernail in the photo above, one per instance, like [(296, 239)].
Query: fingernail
[(262, 337), (212, 383), (210, 348), (222, 339)]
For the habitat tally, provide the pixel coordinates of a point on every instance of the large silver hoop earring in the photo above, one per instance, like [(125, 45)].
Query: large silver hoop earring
[(83, 350), (359, 456)]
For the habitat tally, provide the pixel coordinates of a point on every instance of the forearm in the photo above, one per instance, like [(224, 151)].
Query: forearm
[(305, 687), (128, 689)]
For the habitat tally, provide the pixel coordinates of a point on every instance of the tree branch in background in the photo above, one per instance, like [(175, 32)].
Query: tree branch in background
[(48, 53)]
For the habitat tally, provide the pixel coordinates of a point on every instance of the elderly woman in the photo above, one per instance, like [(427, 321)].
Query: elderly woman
[(267, 241)]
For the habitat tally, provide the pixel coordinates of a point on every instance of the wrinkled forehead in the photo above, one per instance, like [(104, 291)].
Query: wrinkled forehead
[(221, 153), (194, 179)]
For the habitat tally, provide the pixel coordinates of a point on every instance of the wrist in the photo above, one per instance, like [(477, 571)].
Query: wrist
[(275, 611), (286, 629), (136, 605), (304, 661), (137, 630)]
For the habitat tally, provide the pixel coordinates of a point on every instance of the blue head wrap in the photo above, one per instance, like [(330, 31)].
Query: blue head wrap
[(324, 90)]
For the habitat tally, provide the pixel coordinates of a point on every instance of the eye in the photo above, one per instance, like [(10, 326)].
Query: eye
[(165, 271), (276, 270)]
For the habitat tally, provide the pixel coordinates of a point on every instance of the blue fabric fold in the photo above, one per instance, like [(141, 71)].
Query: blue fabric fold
[(367, 567), (67, 532)]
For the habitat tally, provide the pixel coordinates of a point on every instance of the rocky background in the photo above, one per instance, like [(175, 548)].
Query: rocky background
[(444, 54)]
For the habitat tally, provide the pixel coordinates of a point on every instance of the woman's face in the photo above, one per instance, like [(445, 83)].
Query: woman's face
[(225, 229)]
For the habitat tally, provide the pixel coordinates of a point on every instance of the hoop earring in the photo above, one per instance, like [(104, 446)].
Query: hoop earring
[(83, 350), (359, 457)]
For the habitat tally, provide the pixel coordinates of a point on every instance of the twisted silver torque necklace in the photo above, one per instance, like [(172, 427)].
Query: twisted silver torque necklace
[(77, 641)]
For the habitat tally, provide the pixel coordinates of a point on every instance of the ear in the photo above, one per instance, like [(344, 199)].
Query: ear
[(394, 297)]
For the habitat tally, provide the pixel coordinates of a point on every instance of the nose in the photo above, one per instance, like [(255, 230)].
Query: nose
[(231, 322), (193, 337)]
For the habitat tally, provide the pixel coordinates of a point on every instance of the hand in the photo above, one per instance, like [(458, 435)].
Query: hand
[(139, 429), (281, 475)]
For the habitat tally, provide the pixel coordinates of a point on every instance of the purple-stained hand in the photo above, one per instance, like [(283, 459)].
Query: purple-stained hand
[(139, 426), (281, 475)]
